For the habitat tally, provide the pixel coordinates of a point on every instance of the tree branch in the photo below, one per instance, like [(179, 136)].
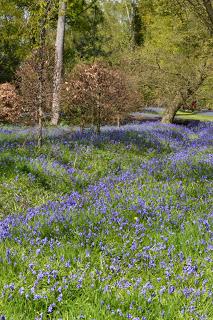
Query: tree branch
[(209, 9), (88, 7)]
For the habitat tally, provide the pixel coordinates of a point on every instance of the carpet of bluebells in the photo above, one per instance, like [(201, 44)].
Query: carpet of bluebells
[(116, 226)]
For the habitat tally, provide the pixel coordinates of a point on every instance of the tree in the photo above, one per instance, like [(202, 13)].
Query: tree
[(123, 26), (20, 32), (32, 72), (97, 93), (175, 64), (28, 84), (13, 44), (59, 52), (87, 38), (137, 25), (83, 19), (45, 9), (203, 9), (21, 23)]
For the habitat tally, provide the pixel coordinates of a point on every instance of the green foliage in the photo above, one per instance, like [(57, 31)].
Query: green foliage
[(174, 65), (137, 25), (13, 46), (83, 39), (19, 32)]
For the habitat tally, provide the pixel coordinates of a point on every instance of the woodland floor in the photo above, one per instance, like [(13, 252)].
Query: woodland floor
[(116, 226)]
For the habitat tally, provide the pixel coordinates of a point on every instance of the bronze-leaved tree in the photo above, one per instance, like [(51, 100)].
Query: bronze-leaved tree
[(10, 104), (96, 94)]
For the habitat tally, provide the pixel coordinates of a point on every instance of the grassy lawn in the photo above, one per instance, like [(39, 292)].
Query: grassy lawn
[(192, 116), (116, 226)]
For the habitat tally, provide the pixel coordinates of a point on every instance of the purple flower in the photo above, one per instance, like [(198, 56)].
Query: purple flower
[(162, 290), (21, 290), (60, 297), (38, 251), (171, 289), (8, 255), (189, 269), (106, 288), (68, 264), (51, 307)]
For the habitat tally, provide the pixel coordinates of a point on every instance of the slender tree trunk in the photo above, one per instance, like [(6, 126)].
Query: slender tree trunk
[(41, 99), (170, 113), (98, 124), (118, 121), (98, 127), (94, 117), (82, 125), (59, 50), (40, 125)]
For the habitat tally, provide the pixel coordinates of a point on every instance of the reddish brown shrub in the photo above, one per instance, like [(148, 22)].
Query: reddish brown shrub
[(97, 94), (10, 103)]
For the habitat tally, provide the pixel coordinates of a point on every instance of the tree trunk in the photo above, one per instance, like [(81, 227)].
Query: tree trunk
[(82, 125), (59, 50), (136, 25), (209, 10), (170, 113), (41, 56), (98, 127), (40, 126), (98, 120), (118, 121)]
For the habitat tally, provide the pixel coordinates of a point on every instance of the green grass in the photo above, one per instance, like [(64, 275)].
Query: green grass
[(192, 116)]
